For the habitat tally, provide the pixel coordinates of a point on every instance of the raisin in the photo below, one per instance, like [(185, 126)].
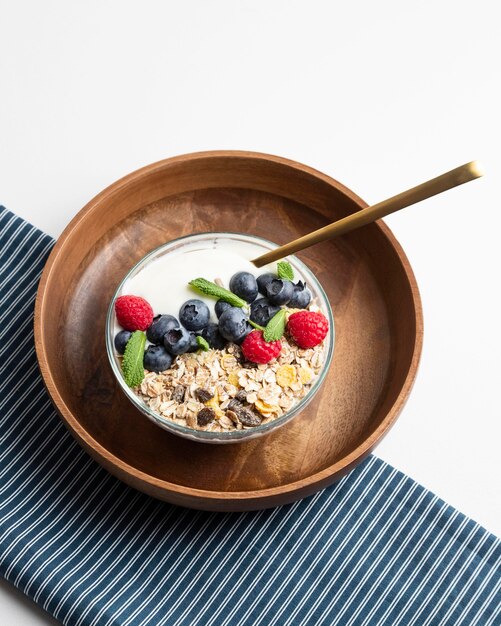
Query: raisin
[(178, 393), (235, 405), (245, 363), (241, 396), (248, 365), (249, 418), (245, 415), (205, 415), (203, 395)]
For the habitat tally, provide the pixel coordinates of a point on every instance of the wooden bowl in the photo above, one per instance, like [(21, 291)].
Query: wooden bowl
[(366, 275)]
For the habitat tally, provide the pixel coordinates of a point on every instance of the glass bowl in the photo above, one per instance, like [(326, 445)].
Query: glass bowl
[(249, 246)]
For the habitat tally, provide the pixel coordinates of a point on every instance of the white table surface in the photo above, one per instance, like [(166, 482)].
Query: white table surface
[(380, 95)]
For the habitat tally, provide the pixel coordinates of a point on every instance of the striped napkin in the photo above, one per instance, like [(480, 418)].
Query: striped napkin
[(375, 548)]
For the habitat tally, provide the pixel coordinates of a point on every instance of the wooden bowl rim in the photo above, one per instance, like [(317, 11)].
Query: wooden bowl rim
[(108, 459)]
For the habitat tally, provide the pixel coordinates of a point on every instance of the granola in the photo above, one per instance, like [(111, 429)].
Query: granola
[(218, 391)]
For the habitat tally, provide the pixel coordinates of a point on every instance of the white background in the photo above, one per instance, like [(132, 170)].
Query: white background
[(380, 95)]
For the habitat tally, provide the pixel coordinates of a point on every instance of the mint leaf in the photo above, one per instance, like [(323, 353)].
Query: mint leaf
[(132, 363), (203, 343), (275, 327), (256, 325), (284, 270), (211, 289)]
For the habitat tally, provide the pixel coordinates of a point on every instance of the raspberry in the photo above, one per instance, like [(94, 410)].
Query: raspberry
[(257, 350), (308, 328), (133, 312)]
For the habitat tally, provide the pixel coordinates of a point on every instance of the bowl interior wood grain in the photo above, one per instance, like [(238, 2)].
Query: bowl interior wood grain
[(365, 274)]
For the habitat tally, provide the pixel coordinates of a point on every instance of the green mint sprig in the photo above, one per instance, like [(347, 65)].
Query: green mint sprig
[(256, 326), (211, 289), (284, 270), (202, 343), (275, 327), (132, 363)]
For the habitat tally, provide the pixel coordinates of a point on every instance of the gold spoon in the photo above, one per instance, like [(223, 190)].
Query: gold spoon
[(458, 176)]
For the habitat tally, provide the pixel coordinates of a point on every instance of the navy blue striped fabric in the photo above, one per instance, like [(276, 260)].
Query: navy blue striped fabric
[(376, 548)]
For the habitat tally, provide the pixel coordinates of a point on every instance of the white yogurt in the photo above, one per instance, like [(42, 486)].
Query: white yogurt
[(163, 281)]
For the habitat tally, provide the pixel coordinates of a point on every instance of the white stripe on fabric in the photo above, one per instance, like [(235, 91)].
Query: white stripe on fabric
[(411, 578), (353, 556), (139, 590), (389, 584), (96, 566), (33, 477), (305, 554), (36, 400), (89, 539), (457, 577), (18, 262), (464, 582), (18, 227), (194, 580), (40, 522), (145, 563), (347, 559), (149, 578), (46, 545), (114, 581), (31, 442), (305, 535), (19, 322), (74, 538), (243, 556), (38, 488), (263, 571), (14, 239), (475, 596), (22, 299), (13, 387), (440, 579), (200, 556), (495, 616)]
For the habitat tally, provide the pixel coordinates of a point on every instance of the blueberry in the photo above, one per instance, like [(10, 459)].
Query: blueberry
[(301, 296), (221, 306), (157, 359), (194, 314), (159, 326), (177, 340), (121, 340), (244, 285), (233, 324), (193, 347), (264, 280), (213, 337), (279, 291), (261, 311), (248, 329)]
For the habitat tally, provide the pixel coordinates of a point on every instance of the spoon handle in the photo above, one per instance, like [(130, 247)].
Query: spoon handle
[(458, 176)]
